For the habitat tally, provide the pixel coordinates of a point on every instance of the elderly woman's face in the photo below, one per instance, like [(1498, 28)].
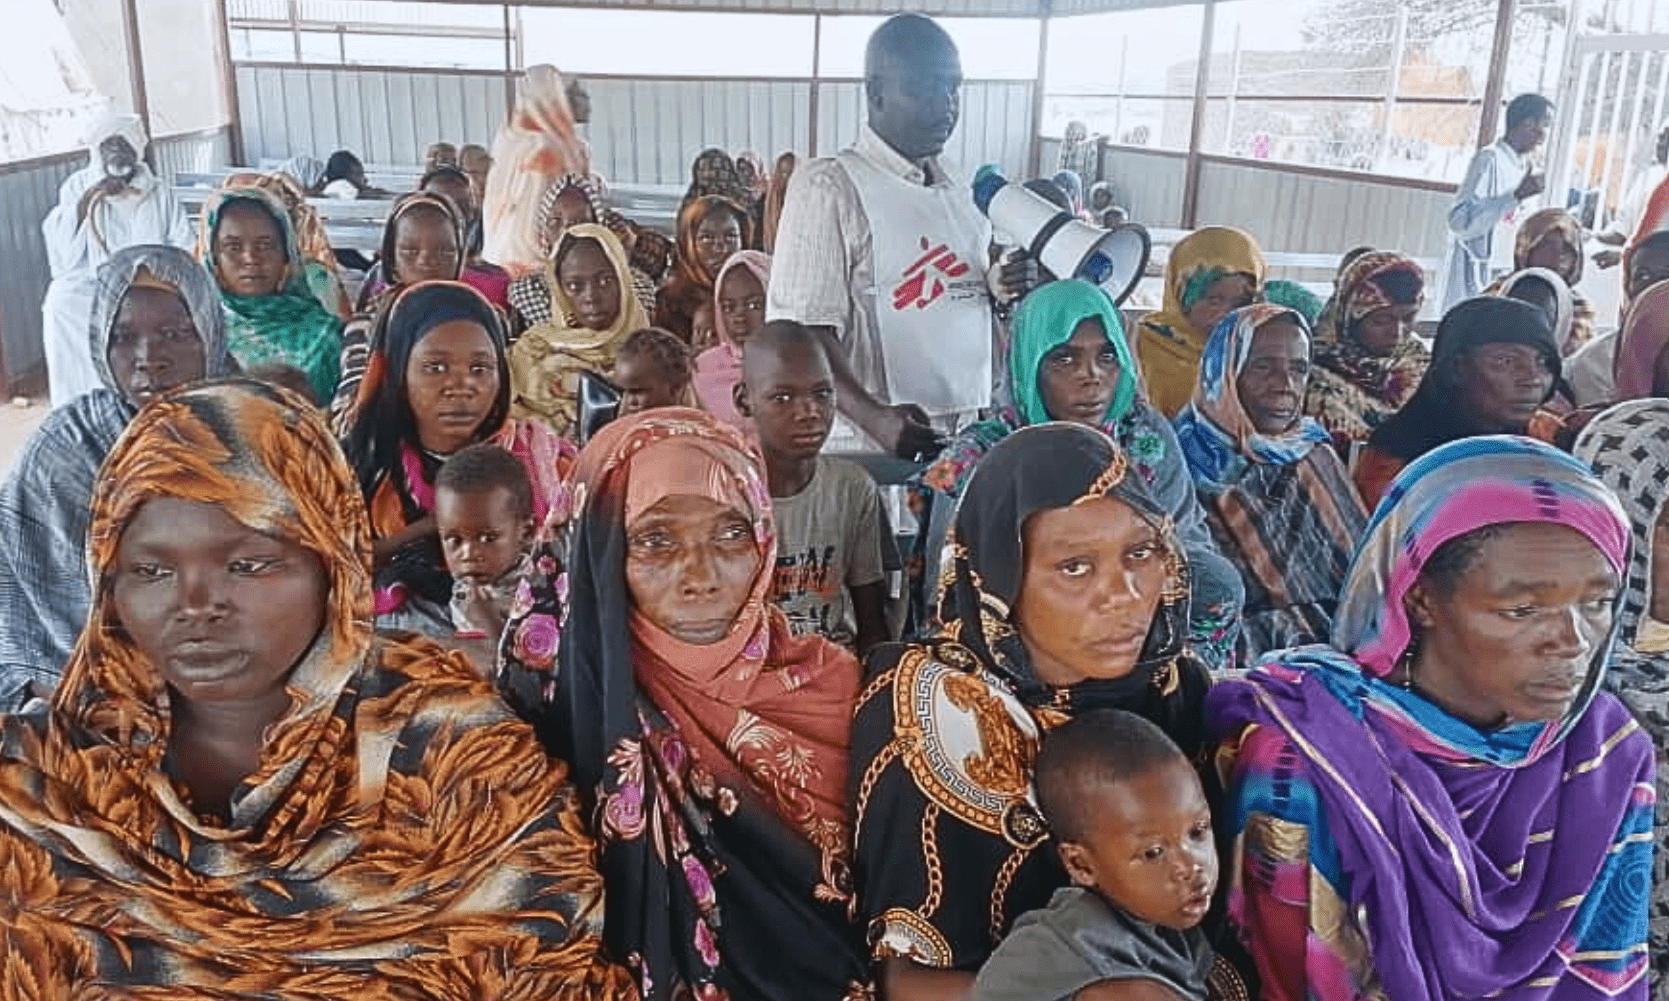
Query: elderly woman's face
[(1511, 637), (1094, 574), (222, 611), (249, 252), (690, 566), (1271, 383), (153, 344)]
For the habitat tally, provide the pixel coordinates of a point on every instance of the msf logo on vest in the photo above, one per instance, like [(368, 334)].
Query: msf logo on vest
[(928, 279)]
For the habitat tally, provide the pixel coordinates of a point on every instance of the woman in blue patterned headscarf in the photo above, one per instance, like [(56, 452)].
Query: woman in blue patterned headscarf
[(1279, 503)]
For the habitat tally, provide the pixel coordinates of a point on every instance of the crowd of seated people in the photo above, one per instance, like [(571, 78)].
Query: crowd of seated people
[(514, 632)]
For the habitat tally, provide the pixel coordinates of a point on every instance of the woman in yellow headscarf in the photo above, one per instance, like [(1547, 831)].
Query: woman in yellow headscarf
[(593, 312), (1211, 272)]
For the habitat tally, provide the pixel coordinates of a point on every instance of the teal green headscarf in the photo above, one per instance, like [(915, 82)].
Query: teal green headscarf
[(1045, 320), (289, 327)]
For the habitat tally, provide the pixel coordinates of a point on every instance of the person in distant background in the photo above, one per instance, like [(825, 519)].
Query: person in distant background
[(441, 154), (579, 101), (113, 202), (474, 160), (1482, 214), (1552, 239), (535, 147), (713, 172), (345, 178), (710, 229), (1210, 273), (1633, 208)]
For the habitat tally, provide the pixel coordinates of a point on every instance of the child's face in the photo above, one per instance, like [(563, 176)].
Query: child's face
[(481, 533), (643, 386), (1152, 852), (704, 331), (790, 395), (741, 304)]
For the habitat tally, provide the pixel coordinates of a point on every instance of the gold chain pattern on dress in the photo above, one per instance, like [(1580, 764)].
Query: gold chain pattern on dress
[(930, 853), (881, 681), (999, 894), (871, 775)]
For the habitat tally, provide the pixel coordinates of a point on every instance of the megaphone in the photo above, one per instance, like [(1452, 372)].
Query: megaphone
[(1114, 259)]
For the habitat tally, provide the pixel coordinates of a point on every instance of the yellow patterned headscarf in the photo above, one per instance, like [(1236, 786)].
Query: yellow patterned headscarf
[(1168, 347)]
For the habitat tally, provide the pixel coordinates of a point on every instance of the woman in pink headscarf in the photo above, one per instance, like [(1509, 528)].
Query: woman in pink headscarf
[(738, 312), (538, 145)]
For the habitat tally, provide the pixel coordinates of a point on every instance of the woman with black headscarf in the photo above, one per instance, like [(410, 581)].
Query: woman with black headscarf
[(437, 381), (1068, 592), (1493, 365)]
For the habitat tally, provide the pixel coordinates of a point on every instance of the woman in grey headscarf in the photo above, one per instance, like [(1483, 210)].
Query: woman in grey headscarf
[(156, 324)]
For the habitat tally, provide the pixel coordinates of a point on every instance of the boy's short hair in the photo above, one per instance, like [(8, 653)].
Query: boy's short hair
[(482, 468), (1527, 107), (664, 349), (773, 337), (1103, 746)]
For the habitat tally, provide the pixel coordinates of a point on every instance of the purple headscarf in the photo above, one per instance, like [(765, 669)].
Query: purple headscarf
[(1511, 864)]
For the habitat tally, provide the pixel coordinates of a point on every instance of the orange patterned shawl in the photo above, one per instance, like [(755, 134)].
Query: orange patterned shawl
[(361, 859)]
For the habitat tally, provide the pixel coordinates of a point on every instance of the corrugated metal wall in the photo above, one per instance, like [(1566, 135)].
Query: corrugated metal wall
[(646, 131), (386, 117), (1148, 185), (28, 191), (1302, 213)]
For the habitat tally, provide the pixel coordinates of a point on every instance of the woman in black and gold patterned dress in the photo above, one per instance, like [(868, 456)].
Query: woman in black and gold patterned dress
[(1068, 592)]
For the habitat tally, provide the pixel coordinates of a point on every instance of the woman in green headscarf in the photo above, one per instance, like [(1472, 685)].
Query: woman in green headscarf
[(1068, 361), (272, 315)]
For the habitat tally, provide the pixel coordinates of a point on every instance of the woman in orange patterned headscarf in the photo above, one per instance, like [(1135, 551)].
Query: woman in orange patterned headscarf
[(364, 821), (713, 740)]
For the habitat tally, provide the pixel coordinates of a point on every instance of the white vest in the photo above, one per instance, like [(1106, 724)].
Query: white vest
[(932, 306)]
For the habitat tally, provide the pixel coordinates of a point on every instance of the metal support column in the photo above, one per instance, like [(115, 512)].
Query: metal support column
[(1196, 130)]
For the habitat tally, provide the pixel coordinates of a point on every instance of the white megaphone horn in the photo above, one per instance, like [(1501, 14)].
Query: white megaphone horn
[(1114, 259)]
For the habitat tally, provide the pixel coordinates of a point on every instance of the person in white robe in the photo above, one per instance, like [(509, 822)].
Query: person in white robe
[(113, 202), (1484, 212)]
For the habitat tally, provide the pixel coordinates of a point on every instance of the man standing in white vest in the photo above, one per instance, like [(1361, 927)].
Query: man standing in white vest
[(882, 251)]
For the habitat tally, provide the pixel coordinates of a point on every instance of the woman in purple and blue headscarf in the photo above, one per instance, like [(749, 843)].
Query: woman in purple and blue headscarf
[(1445, 802)]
